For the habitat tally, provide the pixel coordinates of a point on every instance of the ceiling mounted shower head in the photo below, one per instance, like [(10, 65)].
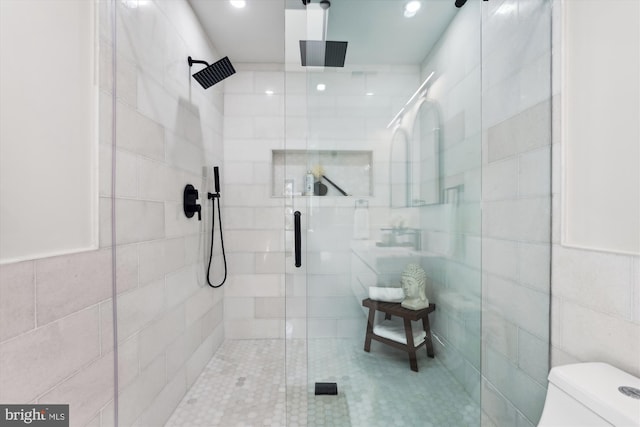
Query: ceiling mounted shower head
[(214, 73), (323, 53)]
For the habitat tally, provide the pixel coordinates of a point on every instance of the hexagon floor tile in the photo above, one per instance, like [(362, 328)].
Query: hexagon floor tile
[(250, 383)]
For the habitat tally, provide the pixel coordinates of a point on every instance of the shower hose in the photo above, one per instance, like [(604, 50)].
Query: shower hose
[(215, 197)]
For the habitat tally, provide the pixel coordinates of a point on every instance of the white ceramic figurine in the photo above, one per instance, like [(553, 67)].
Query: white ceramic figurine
[(414, 283)]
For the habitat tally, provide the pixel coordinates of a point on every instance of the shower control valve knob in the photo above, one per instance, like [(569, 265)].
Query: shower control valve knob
[(190, 205)]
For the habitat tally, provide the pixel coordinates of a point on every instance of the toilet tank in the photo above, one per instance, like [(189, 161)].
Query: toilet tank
[(587, 394)]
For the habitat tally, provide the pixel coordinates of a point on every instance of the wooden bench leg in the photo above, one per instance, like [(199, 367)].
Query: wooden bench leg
[(367, 338), (411, 348), (427, 330)]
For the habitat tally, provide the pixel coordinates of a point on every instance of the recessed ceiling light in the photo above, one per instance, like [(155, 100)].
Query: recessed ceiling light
[(321, 87), (238, 3), (269, 92), (369, 94), (411, 8)]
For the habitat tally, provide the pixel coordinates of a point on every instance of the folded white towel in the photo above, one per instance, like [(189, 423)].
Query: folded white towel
[(386, 294), (393, 329)]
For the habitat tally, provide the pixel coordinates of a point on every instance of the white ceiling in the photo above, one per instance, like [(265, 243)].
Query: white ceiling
[(376, 30)]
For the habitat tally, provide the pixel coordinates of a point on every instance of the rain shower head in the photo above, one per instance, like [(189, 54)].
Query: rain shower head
[(214, 73), (322, 53)]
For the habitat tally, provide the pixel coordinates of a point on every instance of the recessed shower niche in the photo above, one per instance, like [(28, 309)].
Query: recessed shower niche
[(348, 170)]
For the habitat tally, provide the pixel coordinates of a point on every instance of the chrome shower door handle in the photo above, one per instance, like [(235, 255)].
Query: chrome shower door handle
[(298, 238)]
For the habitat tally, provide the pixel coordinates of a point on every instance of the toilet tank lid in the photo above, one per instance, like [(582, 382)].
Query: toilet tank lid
[(595, 385)]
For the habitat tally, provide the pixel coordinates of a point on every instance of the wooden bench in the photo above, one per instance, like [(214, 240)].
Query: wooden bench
[(395, 309)]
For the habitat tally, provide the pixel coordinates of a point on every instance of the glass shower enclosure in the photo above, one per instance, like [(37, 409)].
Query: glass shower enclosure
[(391, 144), (427, 156)]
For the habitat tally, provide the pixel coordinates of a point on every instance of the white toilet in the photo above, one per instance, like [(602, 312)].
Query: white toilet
[(588, 394)]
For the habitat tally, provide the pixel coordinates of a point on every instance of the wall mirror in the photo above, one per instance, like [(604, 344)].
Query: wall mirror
[(399, 170), (425, 155), (414, 162)]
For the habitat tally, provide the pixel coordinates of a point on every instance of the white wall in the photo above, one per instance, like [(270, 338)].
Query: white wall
[(596, 294), (601, 129), (48, 117)]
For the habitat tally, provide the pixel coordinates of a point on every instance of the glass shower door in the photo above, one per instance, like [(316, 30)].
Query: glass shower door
[(353, 239)]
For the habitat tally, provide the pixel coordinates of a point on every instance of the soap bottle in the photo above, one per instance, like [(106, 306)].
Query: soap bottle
[(308, 184)]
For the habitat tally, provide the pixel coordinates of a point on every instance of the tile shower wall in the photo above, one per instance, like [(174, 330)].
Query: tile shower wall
[(451, 229), (253, 220), (516, 208), (169, 134), (596, 295), (56, 339), (342, 117)]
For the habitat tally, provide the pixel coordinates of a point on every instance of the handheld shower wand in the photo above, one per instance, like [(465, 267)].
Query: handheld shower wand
[(213, 197)]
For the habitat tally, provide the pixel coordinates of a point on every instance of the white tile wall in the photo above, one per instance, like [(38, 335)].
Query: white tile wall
[(35, 362), (343, 118), (140, 393), (139, 307), (596, 294), (516, 218), (579, 275), (153, 339), (86, 392), (452, 232), (58, 293), (162, 406), (138, 134), (17, 299)]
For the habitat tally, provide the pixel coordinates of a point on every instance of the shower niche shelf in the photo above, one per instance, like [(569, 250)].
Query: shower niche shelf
[(351, 170)]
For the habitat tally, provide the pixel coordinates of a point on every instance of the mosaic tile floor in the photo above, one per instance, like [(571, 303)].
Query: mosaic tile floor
[(244, 385)]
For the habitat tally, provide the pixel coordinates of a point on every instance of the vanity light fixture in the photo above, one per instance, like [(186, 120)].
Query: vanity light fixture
[(411, 8), (424, 83), (420, 88), (238, 4), (395, 118)]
